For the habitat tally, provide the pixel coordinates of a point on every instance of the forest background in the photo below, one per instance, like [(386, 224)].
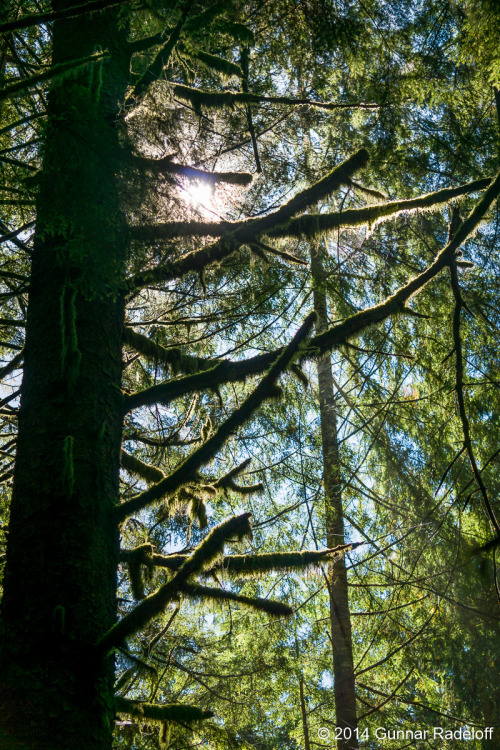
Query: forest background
[(248, 266)]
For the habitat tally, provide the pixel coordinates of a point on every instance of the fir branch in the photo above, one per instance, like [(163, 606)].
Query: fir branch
[(167, 166), (243, 232), (204, 554), (397, 302), (157, 712), (459, 389), (265, 389), (219, 99), (162, 59), (256, 565), (270, 607), (314, 224), (134, 465), (280, 253), (40, 18), (311, 224), (23, 121), (224, 371), (62, 70), (14, 364), (251, 566), (173, 358), (225, 67)]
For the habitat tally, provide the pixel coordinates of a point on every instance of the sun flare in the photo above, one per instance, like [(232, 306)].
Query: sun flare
[(200, 195)]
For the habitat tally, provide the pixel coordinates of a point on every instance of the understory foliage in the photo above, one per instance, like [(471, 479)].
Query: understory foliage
[(253, 134)]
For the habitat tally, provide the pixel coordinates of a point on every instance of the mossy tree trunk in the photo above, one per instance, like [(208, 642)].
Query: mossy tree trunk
[(60, 579), (340, 621)]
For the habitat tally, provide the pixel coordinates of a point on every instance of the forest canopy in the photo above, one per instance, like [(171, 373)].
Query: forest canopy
[(249, 410)]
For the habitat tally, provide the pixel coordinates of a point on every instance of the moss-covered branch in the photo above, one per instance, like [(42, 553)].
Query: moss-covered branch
[(265, 389), (134, 465), (40, 18), (243, 232), (247, 566), (161, 61), (269, 606), (173, 358), (199, 99), (167, 166), (202, 557), (311, 224), (57, 71), (157, 712), (314, 224)]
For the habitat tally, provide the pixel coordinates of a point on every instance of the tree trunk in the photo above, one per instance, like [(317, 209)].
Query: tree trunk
[(303, 711), (60, 578), (340, 621)]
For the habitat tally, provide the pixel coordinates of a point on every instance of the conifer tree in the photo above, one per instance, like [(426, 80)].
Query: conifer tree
[(118, 111)]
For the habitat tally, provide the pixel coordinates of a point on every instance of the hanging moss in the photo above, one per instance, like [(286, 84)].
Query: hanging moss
[(134, 465), (162, 59), (314, 224), (136, 580), (266, 389), (269, 606), (137, 559), (157, 712), (58, 73), (209, 100), (220, 65)]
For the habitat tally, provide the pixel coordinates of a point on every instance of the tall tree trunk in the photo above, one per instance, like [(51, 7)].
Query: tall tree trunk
[(60, 579), (340, 621), (303, 711)]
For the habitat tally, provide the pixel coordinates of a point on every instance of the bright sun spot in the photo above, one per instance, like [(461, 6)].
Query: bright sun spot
[(200, 195)]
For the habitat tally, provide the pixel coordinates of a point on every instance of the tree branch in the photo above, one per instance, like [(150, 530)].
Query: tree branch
[(78, 10), (167, 166), (265, 389), (459, 383), (270, 607), (242, 232), (218, 372), (160, 63), (216, 100), (178, 712), (250, 566), (204, 554)]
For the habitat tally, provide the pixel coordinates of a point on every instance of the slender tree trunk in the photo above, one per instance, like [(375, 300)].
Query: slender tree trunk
[(340, 621), (303, 711), (60, 579)]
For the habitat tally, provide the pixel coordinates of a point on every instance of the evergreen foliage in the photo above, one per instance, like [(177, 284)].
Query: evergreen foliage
[(207, 208)]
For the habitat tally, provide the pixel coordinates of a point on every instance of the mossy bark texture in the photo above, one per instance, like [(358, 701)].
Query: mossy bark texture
[(62, 552)]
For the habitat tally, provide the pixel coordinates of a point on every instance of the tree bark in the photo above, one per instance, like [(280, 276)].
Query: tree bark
[(340, 621), (303, 711), (62, 554)]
